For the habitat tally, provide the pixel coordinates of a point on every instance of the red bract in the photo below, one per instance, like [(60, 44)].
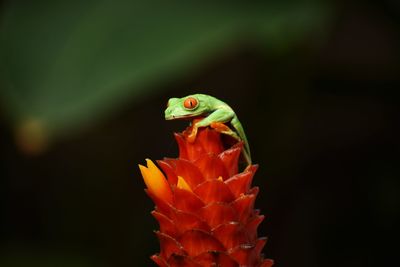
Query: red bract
[(204, 207)]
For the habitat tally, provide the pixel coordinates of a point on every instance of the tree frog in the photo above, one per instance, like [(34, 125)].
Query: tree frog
[(216, 113)]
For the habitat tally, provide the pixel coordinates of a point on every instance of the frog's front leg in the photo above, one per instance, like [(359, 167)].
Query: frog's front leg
[(220, 115), (192, 136)]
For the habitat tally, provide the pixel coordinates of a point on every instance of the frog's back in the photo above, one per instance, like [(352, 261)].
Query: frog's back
[(213, 102)]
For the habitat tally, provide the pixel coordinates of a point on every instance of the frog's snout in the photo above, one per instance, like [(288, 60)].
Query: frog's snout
[(168, 115)]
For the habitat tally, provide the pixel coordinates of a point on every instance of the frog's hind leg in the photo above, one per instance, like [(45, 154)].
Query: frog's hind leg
[(222, 128)]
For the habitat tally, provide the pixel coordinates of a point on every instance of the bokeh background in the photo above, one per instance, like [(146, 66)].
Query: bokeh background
[(83, 86)]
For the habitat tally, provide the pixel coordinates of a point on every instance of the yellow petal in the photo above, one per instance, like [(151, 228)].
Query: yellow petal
[(182, 184), (155, 181)]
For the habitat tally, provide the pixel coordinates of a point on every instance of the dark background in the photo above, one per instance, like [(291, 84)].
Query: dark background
[(322, 119)]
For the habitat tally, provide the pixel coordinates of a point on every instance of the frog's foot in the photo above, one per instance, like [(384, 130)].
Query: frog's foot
[(192, 136), (222, 128)]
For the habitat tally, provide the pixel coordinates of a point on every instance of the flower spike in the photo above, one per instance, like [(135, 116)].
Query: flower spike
[(205, 209)]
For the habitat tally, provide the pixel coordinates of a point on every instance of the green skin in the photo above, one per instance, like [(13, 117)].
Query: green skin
[(216, 111)]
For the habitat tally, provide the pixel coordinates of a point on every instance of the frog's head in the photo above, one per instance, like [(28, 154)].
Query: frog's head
[(185, 107)]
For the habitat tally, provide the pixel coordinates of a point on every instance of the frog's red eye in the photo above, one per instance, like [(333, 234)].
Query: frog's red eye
[(190, 103)]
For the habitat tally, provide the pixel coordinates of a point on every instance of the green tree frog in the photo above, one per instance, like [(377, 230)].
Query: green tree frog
[(216, 113)]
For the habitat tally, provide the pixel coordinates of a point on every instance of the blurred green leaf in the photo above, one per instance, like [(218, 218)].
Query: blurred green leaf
[(64, 64)]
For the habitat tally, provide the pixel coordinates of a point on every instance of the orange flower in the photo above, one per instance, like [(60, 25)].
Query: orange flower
[(155, 181), (205, 207)]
